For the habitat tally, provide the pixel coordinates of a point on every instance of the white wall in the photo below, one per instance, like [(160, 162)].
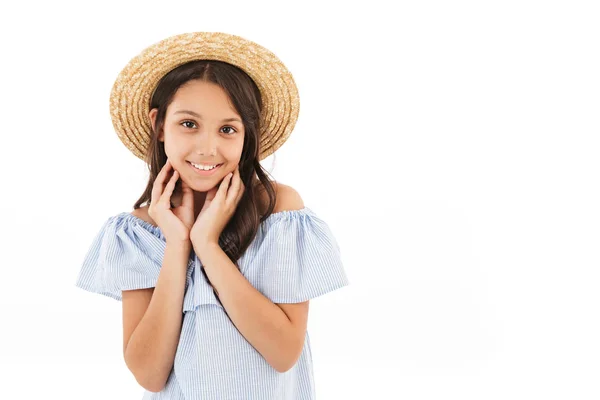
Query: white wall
[(470, 236)]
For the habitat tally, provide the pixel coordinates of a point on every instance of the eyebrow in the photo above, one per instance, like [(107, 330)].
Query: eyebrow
[(200, 116)]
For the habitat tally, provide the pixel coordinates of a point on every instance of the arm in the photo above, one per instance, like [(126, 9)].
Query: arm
[(150, 350), (276, 331)]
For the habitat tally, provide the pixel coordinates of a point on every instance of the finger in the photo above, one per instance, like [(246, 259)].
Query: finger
[(166, 196), (242, 189), (210, 195), (188, 195), (162, 174), (234, 188), (222, 192), (157, 187)]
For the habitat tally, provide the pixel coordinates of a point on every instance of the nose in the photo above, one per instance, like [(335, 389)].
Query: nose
[(207, 144)]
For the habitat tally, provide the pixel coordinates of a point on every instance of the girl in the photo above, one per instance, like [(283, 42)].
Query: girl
[(216, 270)]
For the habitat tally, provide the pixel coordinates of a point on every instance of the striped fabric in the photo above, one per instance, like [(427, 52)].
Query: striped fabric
[(293, 258)]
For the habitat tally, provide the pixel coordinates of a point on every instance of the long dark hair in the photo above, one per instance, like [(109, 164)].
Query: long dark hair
[(245, 96)]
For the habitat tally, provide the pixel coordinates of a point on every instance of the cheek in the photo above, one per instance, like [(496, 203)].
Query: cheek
[(173, 147), (177, 159), (234, 150), (233, 160)]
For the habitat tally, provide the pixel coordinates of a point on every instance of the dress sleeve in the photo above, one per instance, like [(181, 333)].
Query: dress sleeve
[(296, 259), (124, 255)]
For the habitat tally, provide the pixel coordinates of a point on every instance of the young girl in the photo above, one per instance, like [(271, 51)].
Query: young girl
[(216, 270)]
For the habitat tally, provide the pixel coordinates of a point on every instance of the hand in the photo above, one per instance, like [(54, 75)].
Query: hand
[(219, 206), (175, 223)]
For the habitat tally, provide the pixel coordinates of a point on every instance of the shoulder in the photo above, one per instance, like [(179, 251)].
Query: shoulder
[(142, 213), (288, 198)]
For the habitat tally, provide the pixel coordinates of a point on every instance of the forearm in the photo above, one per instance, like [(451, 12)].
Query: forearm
[(264, 325), (151, 349)]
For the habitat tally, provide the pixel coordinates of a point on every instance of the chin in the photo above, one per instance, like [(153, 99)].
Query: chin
[(204, 185)]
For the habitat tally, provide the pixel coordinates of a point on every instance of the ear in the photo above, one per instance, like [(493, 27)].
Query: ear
[(152, 115)]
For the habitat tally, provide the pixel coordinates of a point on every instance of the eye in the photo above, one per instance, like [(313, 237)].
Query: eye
[(229, 127), (231, 131), (188, 122)]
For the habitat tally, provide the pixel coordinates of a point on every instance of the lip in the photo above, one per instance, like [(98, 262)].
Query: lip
[(204, 173)]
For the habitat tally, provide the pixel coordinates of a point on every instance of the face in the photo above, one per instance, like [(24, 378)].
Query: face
[(202, 127)]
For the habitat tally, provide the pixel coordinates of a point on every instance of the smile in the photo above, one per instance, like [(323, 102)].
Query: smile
[(204, 172)]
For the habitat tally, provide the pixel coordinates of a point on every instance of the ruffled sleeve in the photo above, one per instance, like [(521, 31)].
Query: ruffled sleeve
[(125, 254), (294, 258)]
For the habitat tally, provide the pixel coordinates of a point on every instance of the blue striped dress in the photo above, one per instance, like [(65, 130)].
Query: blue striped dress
[(293, 258)]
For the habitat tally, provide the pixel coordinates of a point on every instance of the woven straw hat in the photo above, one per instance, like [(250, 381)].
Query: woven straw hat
[(131, 93)]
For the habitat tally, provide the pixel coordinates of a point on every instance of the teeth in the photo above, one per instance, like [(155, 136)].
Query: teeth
[(203, 167)]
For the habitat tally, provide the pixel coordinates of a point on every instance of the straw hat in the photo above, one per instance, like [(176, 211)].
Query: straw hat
[(131, 93)]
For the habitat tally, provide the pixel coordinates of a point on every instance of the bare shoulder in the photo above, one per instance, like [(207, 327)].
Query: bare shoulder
[(142, 213), (288, 199)]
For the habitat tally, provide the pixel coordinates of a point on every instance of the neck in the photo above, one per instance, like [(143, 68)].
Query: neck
[(199, 198)]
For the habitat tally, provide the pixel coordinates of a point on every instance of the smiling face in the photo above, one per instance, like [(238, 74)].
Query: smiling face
[(202, 127)]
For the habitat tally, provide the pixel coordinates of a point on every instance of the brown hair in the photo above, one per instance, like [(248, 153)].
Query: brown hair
[(245, 97)]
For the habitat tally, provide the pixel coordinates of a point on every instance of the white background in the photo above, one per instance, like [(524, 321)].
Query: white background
[(452, 147)]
